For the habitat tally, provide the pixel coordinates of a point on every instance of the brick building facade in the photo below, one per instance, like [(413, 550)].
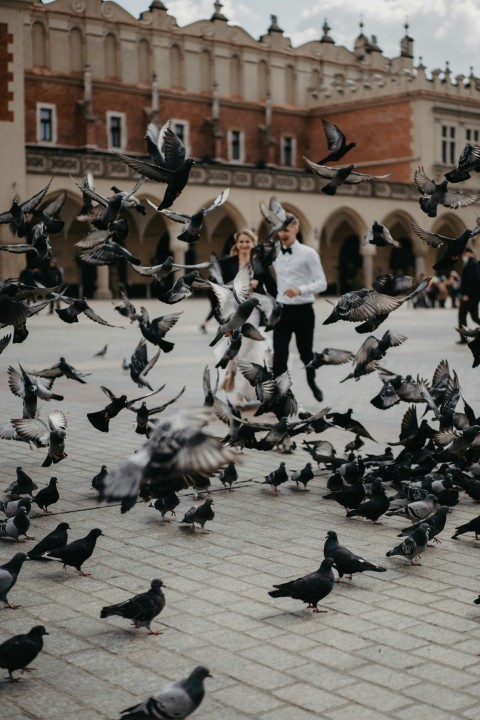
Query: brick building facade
[(87, 77)]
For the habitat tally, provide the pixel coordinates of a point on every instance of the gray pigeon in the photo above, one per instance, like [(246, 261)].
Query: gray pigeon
[(178, 700), (417, 511), (8, 577), (228, 476), (413, 546), (16, 526)]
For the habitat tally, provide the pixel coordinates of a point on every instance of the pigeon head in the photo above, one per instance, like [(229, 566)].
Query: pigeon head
[(96, 532), (38, 630), (156, 585), (332, 535), (327, 564), (200, 673), (53, 481), (63, 526), (209, 501)]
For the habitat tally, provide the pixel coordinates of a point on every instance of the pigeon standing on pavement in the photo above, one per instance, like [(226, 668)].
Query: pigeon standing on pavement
[(178, 700), (16, 526), (97, 480), (19, 651), (471, 526), (166, 504), (346, 562), (10, 507), (76, 552), (58, 538), (141, 609), (416, 511), (413, 546), (303, 476), (23, 485), (47, 496), (374, 507), (228, 476), (200, 514), (311, 588), (276, 478), (8, 577)]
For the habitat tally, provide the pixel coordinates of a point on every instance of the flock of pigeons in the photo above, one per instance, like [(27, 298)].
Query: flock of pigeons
[(438, 460)]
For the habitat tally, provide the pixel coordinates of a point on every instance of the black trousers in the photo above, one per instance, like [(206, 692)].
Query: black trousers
[(298, 320), (466, 307)]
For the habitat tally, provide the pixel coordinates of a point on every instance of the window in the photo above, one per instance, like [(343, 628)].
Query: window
[(181, 129), (472, 136), (288, 151), (235, 145), (46, 123), (448, 145), (116, 130)]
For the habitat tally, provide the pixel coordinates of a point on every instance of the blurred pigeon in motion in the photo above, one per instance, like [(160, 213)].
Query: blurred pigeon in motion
[(178, 700), (20, 650), (177, 450), (379, 235), (101, 419), (77, 306), (393, 284), (165, 505), (51, 434), (276, 216), (62, 369), (330, 356), (58, 538), (4, 342), (199, 514), (228, 476), (102, 352), (107, 210), (37, 248), (145, 426), (23, 485), (169, 162), (454, 246), (469, 160), (235, 321), (346, 562), (336, 142), (103, 250), (126, 308), (413, 546), (340, 176), (76, 552), (140, 366), (435, 194), (209, 391), (17, 215), (47, 496), (183, 288), (193, 223), (8, 577), (141, 609), (346, 421), (23, 387), (160, 272), (97, 480), (311, 588)]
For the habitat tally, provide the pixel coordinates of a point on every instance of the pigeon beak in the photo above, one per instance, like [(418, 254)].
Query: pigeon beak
[(209, 675), (46, 633)]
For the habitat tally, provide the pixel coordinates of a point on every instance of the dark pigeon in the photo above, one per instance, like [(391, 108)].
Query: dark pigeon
[(19, 651), (141, 609)]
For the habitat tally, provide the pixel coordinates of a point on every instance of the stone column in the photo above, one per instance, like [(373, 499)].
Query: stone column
[(103, 291), (368, 252), (420, 267)]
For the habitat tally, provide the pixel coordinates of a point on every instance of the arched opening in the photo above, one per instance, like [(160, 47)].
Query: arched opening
[(349, 261), (153, 248), (340, 251)]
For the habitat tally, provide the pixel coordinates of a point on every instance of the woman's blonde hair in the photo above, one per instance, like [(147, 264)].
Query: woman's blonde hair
[(244, 231)]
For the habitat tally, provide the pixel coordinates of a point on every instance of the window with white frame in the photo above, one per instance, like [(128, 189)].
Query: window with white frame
[(46, 123), (472, 136), (116, 129), (235, 146), (448, 144), (181, 128), (288, 151)]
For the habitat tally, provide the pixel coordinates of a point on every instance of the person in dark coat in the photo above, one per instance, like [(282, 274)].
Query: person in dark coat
[(469, 290)]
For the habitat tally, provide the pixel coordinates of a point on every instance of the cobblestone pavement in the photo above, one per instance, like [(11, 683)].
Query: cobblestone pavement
[(400, 644)]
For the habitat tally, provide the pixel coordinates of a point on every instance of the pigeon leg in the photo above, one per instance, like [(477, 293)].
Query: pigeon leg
[(11, 678), (415, 563), (64, 567), (204, 532), (29, 537), (20, 540), (47, 511), (84, 574), (9, 605), (350, 577), (375, 522), (193, 527), (476, 537), (319, 610), (167, 520), (155, 632), (173, 513), (436, 540), (30, 669)]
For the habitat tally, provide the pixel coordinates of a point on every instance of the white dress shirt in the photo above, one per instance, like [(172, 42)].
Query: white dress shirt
[(301, 269)]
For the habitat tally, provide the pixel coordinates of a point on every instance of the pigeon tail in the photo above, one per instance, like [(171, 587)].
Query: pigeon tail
[(99, 421)]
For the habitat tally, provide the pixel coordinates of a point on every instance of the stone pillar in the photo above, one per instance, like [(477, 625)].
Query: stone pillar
[(368, 252), (420, 267), (103, 291)]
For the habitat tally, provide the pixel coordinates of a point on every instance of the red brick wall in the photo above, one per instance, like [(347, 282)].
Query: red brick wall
[(6, 56)]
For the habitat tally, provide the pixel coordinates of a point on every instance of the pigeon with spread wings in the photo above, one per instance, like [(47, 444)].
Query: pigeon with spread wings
[(340, 176), (193, 223), (435, 194), (336, 142), (454, 246)]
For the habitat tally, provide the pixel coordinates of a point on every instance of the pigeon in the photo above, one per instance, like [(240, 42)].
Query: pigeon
[(454, 246), (169, 162), (435, 194), (24, 387), (393, 284), (193, 223), (160, 272), (345, 421), (413, 546), (4, 342), (23, 485), (105, 251), (166, 504), (311, 588), (303, 476), (47, 496), (346, 562), (469, 160), (97, 480), (417, 511), (436, 523), (232, 349), (236, 319), (276, 478), (141, 609), (16, 526), (199, 514), (140, 366), (145, 426), (336, 142), (58, 538), (76, 306), (62, 369), (107, 210), (177, 449), (178, 700), (20, 650), (8, 577), (102, 352), (373, 508), (10, 507), (209, 391), (330, 356), (183, 288), (276, 216), (471, 526), (228, 476), (126, 308), (17, 215), (377, 234), (155, 330), (101, 419), (76, 552), (350, 496), (340, 176), (51, 433)]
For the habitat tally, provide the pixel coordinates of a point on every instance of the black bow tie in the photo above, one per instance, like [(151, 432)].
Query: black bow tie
[(286, 250)]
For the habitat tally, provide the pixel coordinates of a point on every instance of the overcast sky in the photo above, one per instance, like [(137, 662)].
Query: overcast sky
[(442, 30)]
